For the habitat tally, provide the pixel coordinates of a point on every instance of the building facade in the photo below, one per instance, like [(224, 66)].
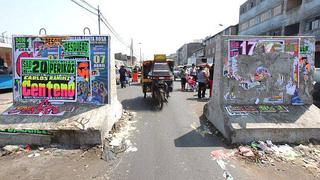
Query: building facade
[(184, 52), (173, 57), (125, 59), (197, 57), (210, 43), (281, 18)]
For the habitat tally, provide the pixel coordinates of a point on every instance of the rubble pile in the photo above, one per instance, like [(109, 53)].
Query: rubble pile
[(33, 151), (117, 141), (266, 153)]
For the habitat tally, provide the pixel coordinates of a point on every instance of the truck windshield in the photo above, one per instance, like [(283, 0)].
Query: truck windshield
[(160, 67)]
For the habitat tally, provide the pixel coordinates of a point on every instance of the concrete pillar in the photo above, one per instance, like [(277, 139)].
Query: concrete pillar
[(285, 5), (302, 27)]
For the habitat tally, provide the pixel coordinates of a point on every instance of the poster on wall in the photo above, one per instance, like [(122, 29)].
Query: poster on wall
[(87, 83), (248, 48), (48, 79), (99, 59)]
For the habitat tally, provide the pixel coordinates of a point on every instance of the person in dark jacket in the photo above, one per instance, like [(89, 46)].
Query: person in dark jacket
[(123, 73), (211, 78)]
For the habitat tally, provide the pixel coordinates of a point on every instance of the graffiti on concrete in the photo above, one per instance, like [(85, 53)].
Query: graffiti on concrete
[(42, 108), (28, 131), (240, 110)]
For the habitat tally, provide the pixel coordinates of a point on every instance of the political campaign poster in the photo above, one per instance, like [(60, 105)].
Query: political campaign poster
[(47, 79), (89, 55)]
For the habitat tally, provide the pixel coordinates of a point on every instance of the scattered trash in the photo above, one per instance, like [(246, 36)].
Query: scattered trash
[(117, 140), (132, 149), (221, 163), (27, 148), (202, 130), (11, 148), (265, 153), (3, 153), (221, 154), (41, 148), (245, 151), (227, 175), (285, 151), (34, 155), (84, 153)]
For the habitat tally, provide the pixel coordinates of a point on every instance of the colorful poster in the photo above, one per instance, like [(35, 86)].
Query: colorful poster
[(48, 79), (84, 88), (76, 49), (99, 58), (89, 54)]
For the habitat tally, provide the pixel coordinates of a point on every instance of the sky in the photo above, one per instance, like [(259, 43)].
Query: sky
[(156, 26)]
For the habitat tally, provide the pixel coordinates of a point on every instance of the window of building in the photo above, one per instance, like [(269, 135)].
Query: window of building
[(277, 10), (291, 4), (252, 3), (213, 50), (244, 26), (243, 10), (257, 20), (315, 24), (265, 16), (252, 22), (292, 30)]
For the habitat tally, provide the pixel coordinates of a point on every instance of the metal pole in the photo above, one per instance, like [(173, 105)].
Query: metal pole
[(99, 20), (140, 53), (131, 52)]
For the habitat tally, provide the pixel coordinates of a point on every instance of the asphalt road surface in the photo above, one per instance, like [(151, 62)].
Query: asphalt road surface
[(169, 147)]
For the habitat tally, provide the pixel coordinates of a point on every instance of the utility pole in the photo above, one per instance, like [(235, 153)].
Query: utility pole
[(140, 52), (99, 21), (131, 52)]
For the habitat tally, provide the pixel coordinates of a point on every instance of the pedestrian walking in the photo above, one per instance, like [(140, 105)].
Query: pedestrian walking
[(123, 73), (183, 74), (193, 72), (202, 79), (211, 78)]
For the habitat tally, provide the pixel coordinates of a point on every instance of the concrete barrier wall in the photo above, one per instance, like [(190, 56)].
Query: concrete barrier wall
[(253, 70)]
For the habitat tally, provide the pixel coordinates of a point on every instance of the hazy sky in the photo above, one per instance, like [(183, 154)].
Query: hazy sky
[(162, 26)]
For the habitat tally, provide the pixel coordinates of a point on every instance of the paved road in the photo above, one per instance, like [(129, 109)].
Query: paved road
[(168, 146)]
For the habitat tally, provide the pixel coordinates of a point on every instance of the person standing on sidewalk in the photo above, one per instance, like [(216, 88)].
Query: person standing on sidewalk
[(183, 74), (211, 78), (123, 72), (202, 79), (193, 72)]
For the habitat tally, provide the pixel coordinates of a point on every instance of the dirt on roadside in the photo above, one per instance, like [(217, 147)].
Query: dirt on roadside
[(54, 163)]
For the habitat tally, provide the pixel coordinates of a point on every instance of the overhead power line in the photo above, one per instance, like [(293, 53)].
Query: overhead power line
[(84, 7), (108, 25), (89, 5)]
